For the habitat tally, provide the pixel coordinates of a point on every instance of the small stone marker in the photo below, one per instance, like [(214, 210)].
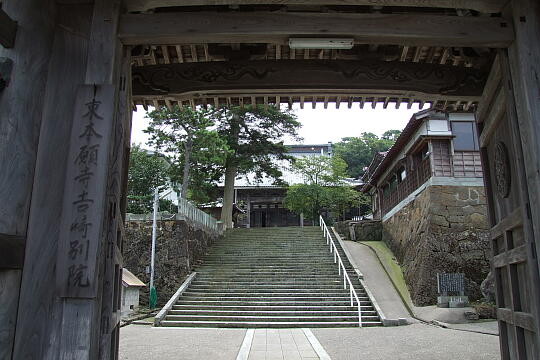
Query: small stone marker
[(451, 289)]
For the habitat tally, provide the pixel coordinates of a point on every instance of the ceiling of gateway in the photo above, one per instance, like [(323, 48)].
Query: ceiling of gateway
[(151, 57)]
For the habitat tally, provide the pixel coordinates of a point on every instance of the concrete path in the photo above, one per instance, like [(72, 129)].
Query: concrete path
[(281, 344), (378, 282), (417, 342), (141, 342), (413, 342), (483, 327)]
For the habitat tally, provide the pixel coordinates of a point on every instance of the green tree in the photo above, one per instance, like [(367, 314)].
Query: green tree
[(305, 199), (254, 136), (339, 199), (196, 149), (358, 152), (321, 170), (324, 187), (147, 171)]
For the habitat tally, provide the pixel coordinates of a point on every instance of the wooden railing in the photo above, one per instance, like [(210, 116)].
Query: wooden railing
[(412, 181)]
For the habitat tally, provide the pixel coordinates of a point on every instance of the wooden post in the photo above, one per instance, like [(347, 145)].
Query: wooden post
[(76, 307), (525, 72), (21, 108)]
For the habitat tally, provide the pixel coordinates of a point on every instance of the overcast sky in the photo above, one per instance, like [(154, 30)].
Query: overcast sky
[(321, 125)]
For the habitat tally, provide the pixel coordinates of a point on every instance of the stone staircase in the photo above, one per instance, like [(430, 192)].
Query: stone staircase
[(271, 278)]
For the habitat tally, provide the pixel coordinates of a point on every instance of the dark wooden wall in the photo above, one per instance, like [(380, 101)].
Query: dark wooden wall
[(21, 110)]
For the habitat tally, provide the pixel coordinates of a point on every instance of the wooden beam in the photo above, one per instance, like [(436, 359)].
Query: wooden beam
[(203, 79), (269, 27), (179, 54), (165, 52), (487, 6), (488, 95), (404, 53), (8, 30)]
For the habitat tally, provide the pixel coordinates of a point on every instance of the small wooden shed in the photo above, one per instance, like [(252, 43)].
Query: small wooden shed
[(130, 292)]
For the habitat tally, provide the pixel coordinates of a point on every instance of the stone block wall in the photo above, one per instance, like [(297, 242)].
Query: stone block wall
[(445, 229), (365, 230), (179, 247)]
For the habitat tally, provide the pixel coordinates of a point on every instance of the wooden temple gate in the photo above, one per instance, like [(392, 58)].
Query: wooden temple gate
[(71, 71)]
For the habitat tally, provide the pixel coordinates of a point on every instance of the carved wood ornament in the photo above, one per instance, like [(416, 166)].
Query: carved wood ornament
[(503, 178), (216, 77)]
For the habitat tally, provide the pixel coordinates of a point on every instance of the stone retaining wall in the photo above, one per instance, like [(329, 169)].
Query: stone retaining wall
[(365, 230), (179, 247), (445, 229)]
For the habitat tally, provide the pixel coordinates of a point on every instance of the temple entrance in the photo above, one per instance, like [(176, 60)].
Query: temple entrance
[(71, 74)]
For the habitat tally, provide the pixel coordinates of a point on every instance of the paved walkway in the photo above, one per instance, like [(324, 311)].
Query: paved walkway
[(142, 342), (417, 342), (378, 282), (411, 342), (281, 344)]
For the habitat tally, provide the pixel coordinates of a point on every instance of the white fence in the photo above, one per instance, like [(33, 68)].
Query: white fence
[(186, 211), (190, 212)]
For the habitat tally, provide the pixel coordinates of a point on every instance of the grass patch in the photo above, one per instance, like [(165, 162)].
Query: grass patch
[(388, 261)]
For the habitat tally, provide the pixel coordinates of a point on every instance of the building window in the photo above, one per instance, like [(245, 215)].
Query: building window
[(465, 136), (402, 174), (393, 183)]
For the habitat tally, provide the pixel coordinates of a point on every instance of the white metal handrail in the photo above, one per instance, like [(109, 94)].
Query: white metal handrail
[(341, 268), (189, 211)]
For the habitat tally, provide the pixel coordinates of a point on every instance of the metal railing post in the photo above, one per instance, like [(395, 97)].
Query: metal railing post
[(341, 269)]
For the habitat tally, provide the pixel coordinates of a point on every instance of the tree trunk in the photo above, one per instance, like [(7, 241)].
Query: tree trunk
[(228, 196), (185, 177), (230, 174)]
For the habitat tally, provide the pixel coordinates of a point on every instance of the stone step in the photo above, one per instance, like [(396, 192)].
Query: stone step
[(264, 308), (272, 285), (300, 270), (279, 278), (269, 298), (268, 264), (274, 277), (269, 259), (257, 302), (321, 312), (262, 324), (268, 288), (266, 318), (270, 294), (332, 282)]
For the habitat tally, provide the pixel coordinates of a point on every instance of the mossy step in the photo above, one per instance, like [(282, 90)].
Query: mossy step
[(266, 318), (263, 324), (257, 302), (272, 313)]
